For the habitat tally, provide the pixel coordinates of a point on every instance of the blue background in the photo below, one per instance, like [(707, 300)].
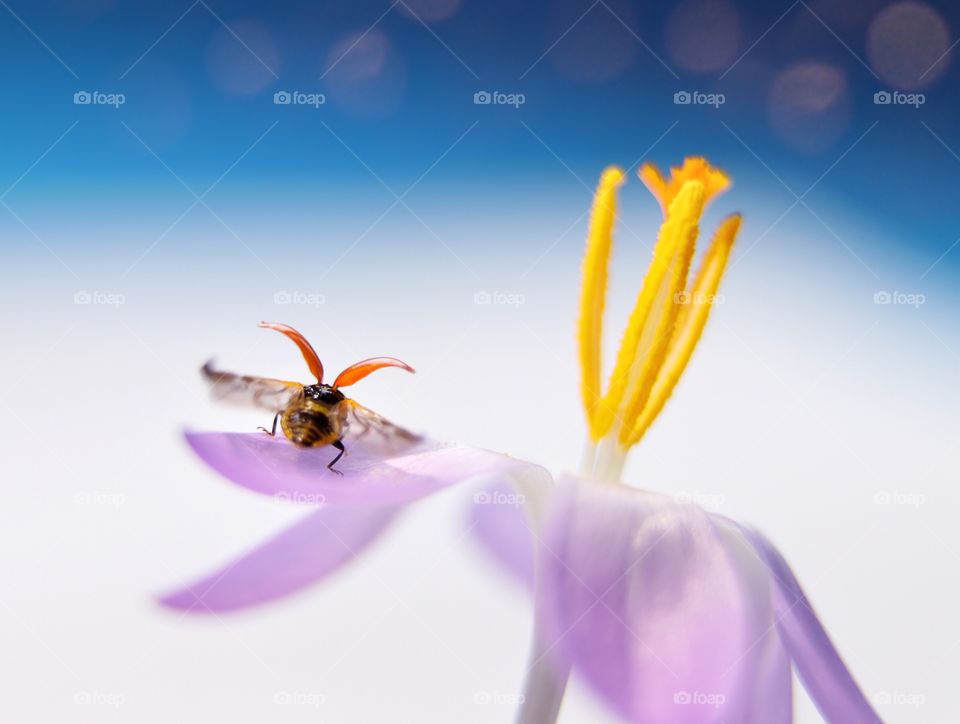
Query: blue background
[(161, 57)]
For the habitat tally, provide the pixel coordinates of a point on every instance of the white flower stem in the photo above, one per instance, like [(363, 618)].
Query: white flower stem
[(546, 678), (545, 684), (608, 461)]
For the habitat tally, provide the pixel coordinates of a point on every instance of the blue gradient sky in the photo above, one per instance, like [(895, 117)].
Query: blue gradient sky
[(601, 92)]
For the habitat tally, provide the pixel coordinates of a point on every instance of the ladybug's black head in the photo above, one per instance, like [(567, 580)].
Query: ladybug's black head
[(323, 393)]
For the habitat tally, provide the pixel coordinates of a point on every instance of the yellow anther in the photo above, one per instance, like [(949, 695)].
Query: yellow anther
[(698, 302), (593, 292), (641, 349)]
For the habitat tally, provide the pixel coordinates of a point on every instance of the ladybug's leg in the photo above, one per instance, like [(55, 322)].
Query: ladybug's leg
[(338, 444), (272, 432)]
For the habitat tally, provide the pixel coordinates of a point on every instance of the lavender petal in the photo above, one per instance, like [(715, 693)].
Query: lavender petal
[(307, 552), (370, 475), (658, 607), (819, 666)]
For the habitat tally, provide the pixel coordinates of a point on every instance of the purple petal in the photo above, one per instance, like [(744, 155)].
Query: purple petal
[(500, 522), (662, 609), (273, 466), (301, 555), (773, 693), (822, 671)]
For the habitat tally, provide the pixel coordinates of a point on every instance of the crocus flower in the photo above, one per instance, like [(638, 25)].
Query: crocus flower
[(670, 613)]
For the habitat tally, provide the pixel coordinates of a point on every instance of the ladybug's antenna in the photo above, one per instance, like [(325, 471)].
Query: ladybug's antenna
[(309, 354), (356, 372)]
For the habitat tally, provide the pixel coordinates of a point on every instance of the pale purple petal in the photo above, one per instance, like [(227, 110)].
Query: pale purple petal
[(301, 555), (500, 522), (822, 671), (274, 466), (662, 610), (773, 693)]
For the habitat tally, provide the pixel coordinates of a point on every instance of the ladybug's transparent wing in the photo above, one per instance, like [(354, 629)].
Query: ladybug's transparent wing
[(263, 392), (363, 423)]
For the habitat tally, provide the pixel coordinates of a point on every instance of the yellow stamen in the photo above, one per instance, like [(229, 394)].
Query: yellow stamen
[(642, 347), (593, 293), (694, 168), (689, 326), (668, 317), (664, 322)]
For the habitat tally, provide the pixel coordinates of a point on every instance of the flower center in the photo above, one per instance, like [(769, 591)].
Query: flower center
[(667, 318)]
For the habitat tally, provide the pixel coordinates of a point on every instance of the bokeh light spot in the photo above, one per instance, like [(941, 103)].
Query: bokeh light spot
[(809, 105), (364, 74), (908, 45)]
